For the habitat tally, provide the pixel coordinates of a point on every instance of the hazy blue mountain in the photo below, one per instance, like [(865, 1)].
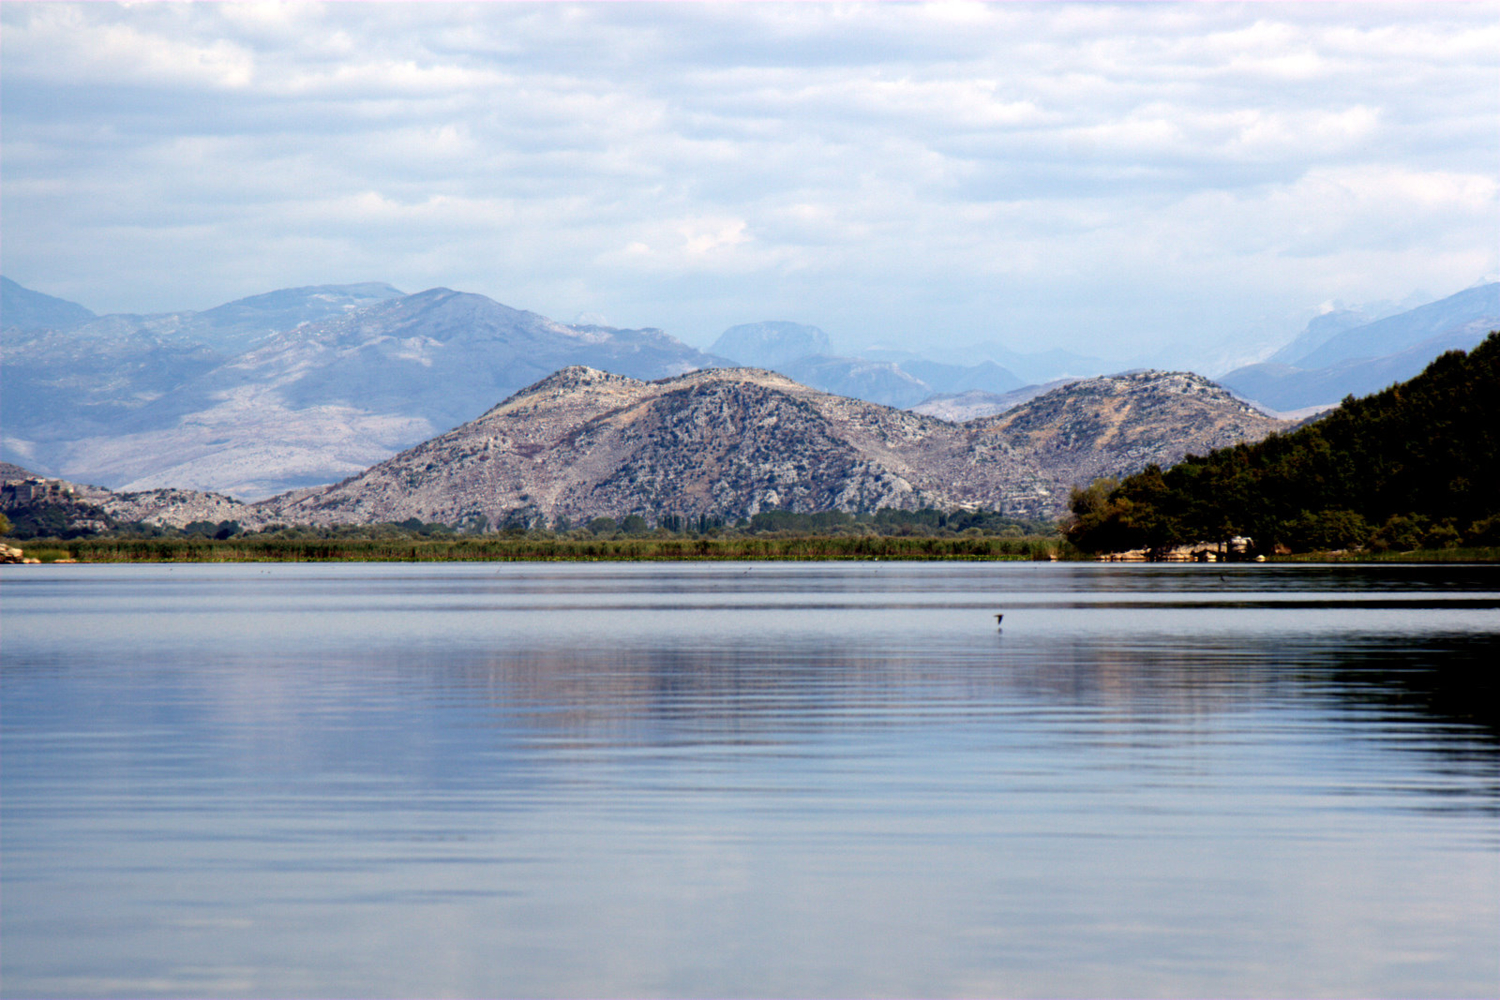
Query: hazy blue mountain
[(1471, 308), (1285, 388), (1030, 366), (898, 378), (57, 385), (23, 309), (890, 383), (1320, 330), (146, 404), (962, 407), (1325, 326), (1370, 357), (858, 378), (770, 344), (236, 326), (983, 377), (97, 375)]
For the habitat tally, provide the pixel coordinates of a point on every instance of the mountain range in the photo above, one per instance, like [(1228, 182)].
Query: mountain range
[(296, 388), (306, 385), (288, 389), (893, 378), (1331, 359), (729, 443)]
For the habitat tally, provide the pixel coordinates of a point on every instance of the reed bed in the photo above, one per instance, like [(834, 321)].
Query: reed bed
[(544, 549)]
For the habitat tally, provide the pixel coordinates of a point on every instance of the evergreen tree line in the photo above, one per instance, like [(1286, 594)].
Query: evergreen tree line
[(1414, 467)]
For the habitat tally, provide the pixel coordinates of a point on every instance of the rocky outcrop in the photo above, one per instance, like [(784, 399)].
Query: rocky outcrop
[(13, 556), (177, 508), (57, 507), (731, 442)]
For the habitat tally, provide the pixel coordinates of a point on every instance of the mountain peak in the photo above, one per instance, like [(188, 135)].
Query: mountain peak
[(770, 343), (582, 443), (25, 309)]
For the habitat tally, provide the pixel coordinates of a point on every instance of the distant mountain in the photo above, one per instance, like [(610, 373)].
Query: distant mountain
[(237, 326), (871, 381), (802, 353), (1032, 367), (97, 377), (142, 402), (986, 376), (23, 309), (770, 344), (732, 442), (1367, 358), (1469, 310), (1319, 330), (965, 406), (890, 383)]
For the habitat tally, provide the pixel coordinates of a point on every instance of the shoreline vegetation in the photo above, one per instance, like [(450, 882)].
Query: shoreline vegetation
[(769, 535), (549, 547), (923, 535)]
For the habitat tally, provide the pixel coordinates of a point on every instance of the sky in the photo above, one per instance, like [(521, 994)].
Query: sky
[(1123, 180)]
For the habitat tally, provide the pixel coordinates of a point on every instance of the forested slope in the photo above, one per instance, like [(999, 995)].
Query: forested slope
[(1415, 466)]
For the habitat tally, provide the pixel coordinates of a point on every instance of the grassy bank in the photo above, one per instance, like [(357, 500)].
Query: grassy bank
[(549, 549)]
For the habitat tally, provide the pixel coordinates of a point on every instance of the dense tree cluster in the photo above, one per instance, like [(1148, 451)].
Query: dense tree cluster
[(1415, 466)]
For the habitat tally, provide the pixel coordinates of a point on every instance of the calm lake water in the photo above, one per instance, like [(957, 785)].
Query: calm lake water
[(749, 780)]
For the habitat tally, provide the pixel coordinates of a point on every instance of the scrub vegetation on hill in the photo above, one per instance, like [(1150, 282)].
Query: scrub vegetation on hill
[(1416, 467)]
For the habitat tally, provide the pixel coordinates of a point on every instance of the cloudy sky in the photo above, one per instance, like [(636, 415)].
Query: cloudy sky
[(1110, 179)]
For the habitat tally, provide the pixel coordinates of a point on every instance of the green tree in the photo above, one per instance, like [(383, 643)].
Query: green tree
[(1419, 459)]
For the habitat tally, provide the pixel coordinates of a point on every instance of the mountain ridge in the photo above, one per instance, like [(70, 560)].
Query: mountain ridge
[(1368, 357), (136, 403), (731, 442)]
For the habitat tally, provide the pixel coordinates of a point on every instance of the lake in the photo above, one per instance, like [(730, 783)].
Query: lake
[(749, 779)]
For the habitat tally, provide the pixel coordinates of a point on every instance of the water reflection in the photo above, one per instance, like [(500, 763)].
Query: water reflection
[(797, 780)]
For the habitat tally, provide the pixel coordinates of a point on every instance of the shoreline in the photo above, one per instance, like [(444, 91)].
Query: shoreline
[(795, 548)]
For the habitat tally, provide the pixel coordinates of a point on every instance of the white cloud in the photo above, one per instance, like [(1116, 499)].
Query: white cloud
[(885, 171)]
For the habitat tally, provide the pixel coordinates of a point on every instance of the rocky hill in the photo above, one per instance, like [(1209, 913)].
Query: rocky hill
[(37, 505), (1116, 425), (731, 442)]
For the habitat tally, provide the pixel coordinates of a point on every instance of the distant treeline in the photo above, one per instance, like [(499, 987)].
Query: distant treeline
[(1414, 467), (775, 534), (545, 546)]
